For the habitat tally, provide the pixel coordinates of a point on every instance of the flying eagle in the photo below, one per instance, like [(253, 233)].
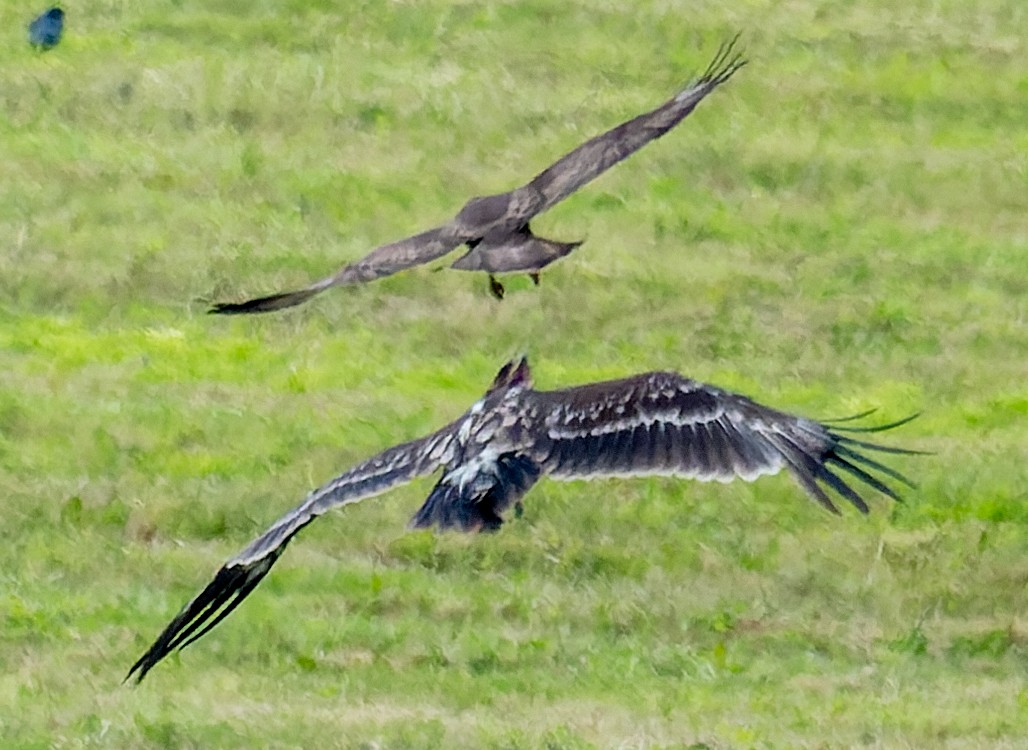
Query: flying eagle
[(496, 228), (655, 423)]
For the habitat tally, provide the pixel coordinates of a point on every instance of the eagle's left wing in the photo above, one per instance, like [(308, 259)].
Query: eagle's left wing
[(240, 575), (663, 423)]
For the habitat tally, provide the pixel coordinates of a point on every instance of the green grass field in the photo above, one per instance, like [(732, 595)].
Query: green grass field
[(841, 227)]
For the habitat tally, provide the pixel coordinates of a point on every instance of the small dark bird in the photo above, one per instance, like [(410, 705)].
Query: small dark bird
[(496, 228), (45, 31), (656, 423)]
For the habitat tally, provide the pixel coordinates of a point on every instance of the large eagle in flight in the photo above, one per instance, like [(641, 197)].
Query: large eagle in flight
[(655, 423), (496, 228)]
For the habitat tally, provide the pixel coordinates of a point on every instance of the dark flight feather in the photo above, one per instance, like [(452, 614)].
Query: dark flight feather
[(656, 423)]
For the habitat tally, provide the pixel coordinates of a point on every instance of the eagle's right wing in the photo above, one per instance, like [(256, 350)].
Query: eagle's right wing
[(664, 424), (382, 261), (238, 577)]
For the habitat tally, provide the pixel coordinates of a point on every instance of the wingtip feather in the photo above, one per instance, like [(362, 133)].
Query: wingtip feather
[(267, 304), (224, 593)]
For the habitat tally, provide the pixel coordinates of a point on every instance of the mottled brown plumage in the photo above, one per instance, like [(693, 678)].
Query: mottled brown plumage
[(655, 423), (498, 225)]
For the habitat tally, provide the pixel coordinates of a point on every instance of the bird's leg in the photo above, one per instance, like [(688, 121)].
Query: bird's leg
[(534, 277), (519, 509), (495, 287)]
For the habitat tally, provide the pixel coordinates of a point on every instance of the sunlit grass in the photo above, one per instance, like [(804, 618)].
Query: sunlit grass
[(840, 228)]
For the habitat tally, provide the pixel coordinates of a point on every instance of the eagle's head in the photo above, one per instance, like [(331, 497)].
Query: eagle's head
[(514, 374)]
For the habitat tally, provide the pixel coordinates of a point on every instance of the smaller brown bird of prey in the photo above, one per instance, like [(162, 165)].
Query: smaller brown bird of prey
[(658, 423), (496, 228)]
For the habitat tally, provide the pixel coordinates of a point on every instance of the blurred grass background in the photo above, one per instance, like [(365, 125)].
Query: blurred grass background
[(840, 227)]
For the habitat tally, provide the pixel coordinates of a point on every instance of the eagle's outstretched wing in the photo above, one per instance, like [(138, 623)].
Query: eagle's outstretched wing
[(238, 577), (596, 156), (508, 213), (665, 424)]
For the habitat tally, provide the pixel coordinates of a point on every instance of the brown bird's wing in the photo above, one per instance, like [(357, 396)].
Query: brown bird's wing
[(498, 214), (663, 423), (382, 261), (238, 577), (596, 156)]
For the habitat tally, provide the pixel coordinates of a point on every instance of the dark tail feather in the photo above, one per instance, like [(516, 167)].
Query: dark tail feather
[(448, 507), (472, 506)]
